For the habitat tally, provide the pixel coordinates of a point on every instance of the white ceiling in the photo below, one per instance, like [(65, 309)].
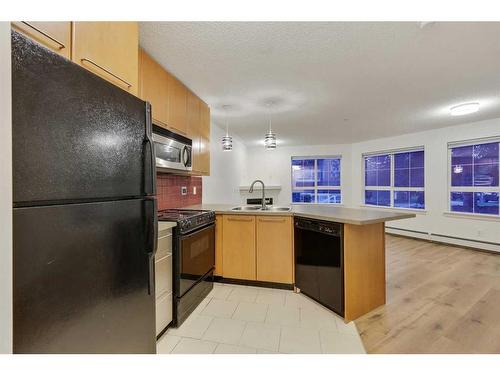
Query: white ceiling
[(332, 82)]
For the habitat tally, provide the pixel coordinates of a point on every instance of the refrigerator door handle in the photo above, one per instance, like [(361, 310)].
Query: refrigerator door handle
[(150, 185), (151, 279), (152, 217)]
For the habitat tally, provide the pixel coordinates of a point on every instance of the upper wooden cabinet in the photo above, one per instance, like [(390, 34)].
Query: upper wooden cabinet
[(177, 106), (198, 129), (275, 249), (109, 49), (193, 128), (54, 35), (238, 247), (204, 144), (153, 87)]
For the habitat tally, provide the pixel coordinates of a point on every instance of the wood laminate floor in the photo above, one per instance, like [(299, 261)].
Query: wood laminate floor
[(440, 299)]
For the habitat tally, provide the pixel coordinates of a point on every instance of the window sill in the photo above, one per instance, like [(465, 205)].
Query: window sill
[(395, 209), (465, 215)]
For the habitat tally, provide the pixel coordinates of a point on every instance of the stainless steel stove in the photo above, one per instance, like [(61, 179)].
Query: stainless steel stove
[(193, 254)]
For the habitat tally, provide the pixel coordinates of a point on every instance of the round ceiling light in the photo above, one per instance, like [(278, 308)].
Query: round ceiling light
[(464, 109)]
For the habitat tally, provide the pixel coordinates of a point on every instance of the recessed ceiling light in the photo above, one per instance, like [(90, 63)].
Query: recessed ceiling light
[(464, 109)]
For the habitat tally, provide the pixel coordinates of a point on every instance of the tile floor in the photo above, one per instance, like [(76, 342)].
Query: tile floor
[(236, 319)]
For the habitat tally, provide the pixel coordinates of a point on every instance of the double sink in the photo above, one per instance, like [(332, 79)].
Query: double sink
[(259, 208)]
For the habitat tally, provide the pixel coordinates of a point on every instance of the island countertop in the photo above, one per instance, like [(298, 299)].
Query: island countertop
[(355, 216)]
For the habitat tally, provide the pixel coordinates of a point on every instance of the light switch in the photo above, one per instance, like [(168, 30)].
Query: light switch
[(194, 190)]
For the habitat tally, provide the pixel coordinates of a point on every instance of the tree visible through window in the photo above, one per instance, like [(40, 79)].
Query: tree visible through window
[(474, 178), (316, 180)]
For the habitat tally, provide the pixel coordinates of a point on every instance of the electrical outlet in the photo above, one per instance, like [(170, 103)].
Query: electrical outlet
[(194, 190), (184, 190)]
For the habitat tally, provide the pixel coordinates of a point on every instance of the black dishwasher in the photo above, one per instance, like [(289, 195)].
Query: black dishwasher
[(319, 271)]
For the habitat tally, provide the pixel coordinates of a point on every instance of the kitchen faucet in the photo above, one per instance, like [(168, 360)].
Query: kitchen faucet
[(263, 207)]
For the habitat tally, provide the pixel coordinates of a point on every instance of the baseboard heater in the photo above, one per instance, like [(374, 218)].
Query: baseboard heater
[(460, 241)]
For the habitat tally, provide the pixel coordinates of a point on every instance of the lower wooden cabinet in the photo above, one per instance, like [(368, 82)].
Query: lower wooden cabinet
[(53, 35), (255, 247), (275, 249), (218, 245), (238, 247)]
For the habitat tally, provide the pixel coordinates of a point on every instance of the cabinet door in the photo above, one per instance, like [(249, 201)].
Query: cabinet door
[(53, 35), (153, 83), (275, 249), (204, 152), (193, 128), (177, 110), (218, 245), (238, 247), (109, 49)]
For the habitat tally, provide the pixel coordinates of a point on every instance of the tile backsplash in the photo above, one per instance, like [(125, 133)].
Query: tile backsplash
[(169, 187)]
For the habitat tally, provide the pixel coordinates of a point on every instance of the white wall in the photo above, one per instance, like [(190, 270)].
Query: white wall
[(434, 221), (227, 169), (273, 167), (5, 192)]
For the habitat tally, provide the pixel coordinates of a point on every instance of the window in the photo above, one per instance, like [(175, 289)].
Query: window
[(395, 179), (474, 170), (316, 180)]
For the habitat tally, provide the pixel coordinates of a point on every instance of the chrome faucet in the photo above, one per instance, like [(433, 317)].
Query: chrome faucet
[(263, 207)]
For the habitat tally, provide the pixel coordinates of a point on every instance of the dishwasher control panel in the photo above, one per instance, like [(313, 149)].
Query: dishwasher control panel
[(333, 229)]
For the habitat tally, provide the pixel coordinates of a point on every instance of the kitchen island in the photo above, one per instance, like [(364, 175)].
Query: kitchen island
[(251, 247)]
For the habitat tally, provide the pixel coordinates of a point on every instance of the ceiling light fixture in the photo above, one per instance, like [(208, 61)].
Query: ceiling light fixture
[(464, 109), (227, 140), (270, 139)]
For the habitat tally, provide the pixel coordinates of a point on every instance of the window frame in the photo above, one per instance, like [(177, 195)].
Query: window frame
[(315, 188), (391, 188), (470, 189)]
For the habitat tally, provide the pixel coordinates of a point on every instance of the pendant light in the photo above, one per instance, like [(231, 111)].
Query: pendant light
[(227, 140), (270, 139)]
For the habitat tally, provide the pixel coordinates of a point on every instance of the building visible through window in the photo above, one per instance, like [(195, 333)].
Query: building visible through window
[(316, 180), (395, 179)]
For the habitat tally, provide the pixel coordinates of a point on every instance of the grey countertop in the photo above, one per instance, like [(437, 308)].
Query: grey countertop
[(356, 216)]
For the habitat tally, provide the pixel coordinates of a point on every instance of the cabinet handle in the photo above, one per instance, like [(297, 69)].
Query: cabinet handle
[(61, 45), (239, 219), (106, 70), (272, 220)]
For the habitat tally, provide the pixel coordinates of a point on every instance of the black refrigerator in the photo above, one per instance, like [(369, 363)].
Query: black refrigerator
[(84, 212)]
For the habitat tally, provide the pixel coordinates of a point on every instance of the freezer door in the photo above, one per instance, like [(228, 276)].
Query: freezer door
[(84, 278), (76, 137)]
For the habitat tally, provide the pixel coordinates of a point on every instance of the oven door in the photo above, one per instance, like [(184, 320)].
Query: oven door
[(172, 154), (196, 258)]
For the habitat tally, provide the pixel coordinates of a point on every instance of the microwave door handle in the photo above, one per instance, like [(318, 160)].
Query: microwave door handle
[(185, 156), (151, 184)]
